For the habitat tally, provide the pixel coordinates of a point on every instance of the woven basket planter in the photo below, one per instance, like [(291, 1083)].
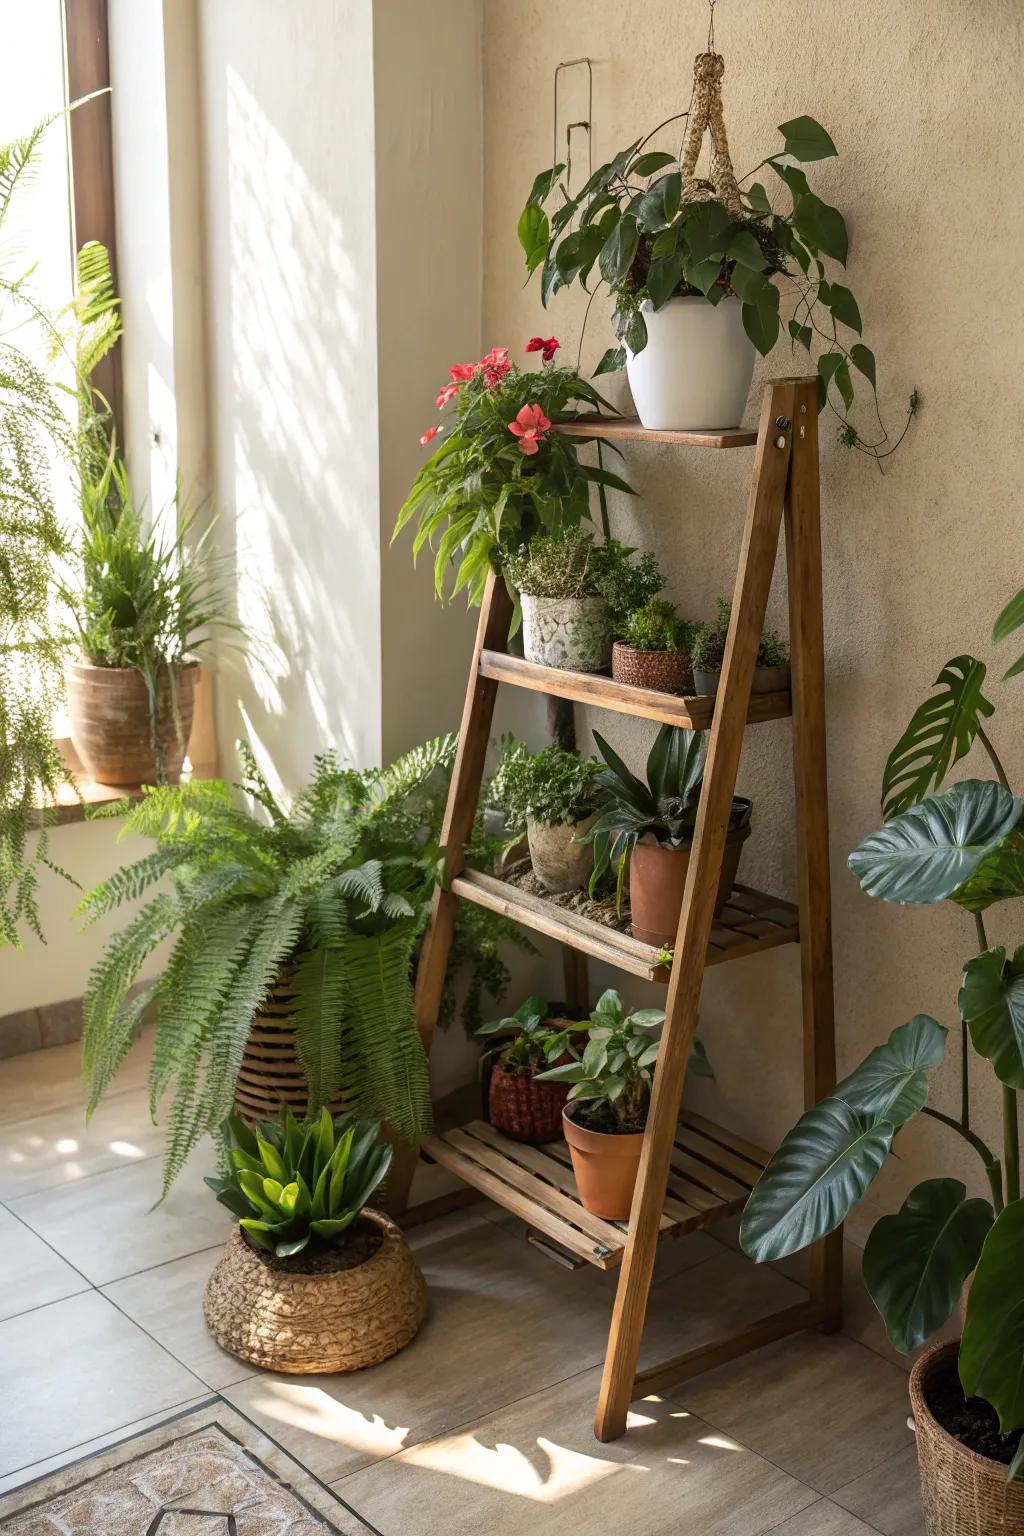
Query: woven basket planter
[(522, 1108), (271, 1073), (108, 718), (285, 1320), (964, 1494), (665, 671)]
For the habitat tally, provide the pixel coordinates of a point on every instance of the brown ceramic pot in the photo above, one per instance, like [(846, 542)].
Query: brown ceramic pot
[(657, 878), (108, 713), (522, 1108), (665, 671), (766, 680), (605, 1167)]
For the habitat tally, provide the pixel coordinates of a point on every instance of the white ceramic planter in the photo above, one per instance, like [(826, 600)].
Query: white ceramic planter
[(694, 373), (569, 632), (560, 863)]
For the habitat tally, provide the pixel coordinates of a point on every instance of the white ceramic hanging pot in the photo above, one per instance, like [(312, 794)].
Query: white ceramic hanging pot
[(694, 373)]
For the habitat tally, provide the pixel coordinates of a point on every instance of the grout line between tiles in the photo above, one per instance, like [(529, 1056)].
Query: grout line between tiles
[(46, 1244), (184, 1402)]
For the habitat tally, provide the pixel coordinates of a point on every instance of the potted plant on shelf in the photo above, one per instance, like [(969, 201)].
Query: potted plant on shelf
[(707, 651), (501, 474), (552, 796), (562, 580), (646, 830), (311, 1279), (518, 1103), (964, 845), (654, 651), (695, 266)]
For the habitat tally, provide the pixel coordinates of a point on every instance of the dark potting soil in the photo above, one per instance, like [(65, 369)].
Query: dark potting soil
[(359, 1243), (600, 1117), (969, 1419)]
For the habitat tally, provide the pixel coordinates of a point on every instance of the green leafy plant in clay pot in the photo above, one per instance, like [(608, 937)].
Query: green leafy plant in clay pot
[(654, 651), (518, 1103), (563, 581), (644, 830), (707, 651), (551, 795), (609, 1096), (309, 1249), (965, 845)]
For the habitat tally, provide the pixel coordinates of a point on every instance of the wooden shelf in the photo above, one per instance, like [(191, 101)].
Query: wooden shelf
[(711, 1174), (71, 807), (696, 712), (628, 429), (749, 922)]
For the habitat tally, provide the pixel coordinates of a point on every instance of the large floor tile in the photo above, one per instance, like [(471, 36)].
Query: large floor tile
[(75, 1370), (106, 1226), (168, 1303), (888, 1497), (31, 1274), (535, 1467), (823, 1519), (41, 1081), (719, 1296), (824, 1409), (60, 1147), (86, 1448)]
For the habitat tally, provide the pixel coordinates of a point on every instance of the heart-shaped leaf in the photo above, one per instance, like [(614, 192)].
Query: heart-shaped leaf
[(916, 1261), (619, 249), (815, 1178), (844, 306), (925, 853), (653, 160), (806, 139), (543, 183), (863, 359), (761, 323), (992, 1006), (706, 228), (992, 1348), (822, 226), (941, 732), (612, 361), (533, 230), (890, 1083)]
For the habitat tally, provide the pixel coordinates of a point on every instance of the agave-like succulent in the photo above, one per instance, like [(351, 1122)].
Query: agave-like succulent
[(293, 1183)]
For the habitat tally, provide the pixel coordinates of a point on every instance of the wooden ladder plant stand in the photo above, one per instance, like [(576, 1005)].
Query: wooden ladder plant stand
[(691, 1172)]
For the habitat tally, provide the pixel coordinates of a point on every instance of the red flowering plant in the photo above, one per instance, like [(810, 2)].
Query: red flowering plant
[(500, 473)]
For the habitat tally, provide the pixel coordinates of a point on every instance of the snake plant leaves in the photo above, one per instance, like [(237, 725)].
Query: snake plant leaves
[(1009, 621), (806, 139), (941, 732), (992, 1349), (815, 1178), (916, 1261), (928, 852), (890, 1083), (992, 1006)]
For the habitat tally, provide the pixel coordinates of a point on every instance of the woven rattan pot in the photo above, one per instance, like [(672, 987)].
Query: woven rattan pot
[(964, 1494), (303, 1324), (271, 1073), (666, 671)]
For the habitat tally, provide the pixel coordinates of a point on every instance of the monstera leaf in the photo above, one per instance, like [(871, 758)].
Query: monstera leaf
[(992, 1006), (916, 1261), (941, 732), (992, 1350), (818, 1174), (928, 852), (1009, 621), (890, 1084)]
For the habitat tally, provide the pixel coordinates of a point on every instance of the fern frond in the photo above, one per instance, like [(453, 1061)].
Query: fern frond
[(320, 1009), (411, 771), (19, 161), (384, 1067), (107, 1025), (129, 883), (365, 883)]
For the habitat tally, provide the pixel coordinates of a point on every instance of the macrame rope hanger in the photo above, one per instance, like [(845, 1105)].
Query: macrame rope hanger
[(706, 115)]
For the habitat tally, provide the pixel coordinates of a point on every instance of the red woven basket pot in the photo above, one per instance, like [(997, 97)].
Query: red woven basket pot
[(522, 1108), (665, 671)]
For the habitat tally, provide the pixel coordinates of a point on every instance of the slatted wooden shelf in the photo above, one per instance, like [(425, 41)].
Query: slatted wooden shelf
[(749, 922), (712, 1172), (695, 713), (628, 429)]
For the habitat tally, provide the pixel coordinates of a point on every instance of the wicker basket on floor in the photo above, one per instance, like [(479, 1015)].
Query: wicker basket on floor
[(271, 1073), (667, 671), (964, 1494)]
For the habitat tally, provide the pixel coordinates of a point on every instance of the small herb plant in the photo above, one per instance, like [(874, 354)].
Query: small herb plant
[(297, 1187), (707, 648), (552, 786), (658, 626), (628, 584), (535, 1043), (500, 476), (569, 564)]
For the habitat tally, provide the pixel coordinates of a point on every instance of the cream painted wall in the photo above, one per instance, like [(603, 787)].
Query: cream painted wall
[(922, 102)]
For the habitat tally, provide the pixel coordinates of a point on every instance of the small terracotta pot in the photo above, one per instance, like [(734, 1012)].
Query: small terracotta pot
[(108, 714), (665, 671), (522, 1108), (605, 1167), (766, 680), (559, 862), (657, 878)]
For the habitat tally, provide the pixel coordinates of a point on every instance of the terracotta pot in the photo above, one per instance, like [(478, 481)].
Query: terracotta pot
[(665, 671), (108, 712), (605, 1167), (567, 632), (766, 680), (522, 1108), (559, 862), (964, 1493), (341, 1320), (657, 877)]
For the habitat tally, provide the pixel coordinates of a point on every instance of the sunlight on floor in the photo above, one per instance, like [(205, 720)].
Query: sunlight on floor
[(314, 1411), (505, 1469), (124, 1149)]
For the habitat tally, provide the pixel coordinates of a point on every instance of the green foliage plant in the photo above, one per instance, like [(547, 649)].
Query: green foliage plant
[(707, 646), (553, 786), (630, 229), (298, 1187), (534, 1043), (569, 564), (658, 626)]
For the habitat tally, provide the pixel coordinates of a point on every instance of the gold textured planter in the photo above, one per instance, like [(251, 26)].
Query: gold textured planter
[(284, 1320)]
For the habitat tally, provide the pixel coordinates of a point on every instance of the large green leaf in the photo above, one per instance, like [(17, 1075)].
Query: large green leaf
[(992, 1006), (619, 249), (822, 227), (941, 732), (890, 1084), (818, 1174), (992, 1349), (533, 231), (1009, 621), (916, 1261), (806, 139), (926, 853), (999, 878)]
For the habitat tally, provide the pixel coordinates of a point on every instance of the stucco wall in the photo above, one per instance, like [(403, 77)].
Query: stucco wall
[(922, 104)]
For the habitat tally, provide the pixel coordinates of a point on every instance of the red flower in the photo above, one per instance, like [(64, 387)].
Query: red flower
[(448, 392), (461, 372), (530, 427), (538, 344), (495, 366), (428, 434)]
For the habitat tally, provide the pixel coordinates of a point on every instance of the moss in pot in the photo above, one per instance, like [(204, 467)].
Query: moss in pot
[(771, 670), (654, 649), (519, 1104), (552, 795)]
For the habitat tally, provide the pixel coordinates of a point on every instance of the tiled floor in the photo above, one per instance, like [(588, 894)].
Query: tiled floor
[(485, 1421)]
